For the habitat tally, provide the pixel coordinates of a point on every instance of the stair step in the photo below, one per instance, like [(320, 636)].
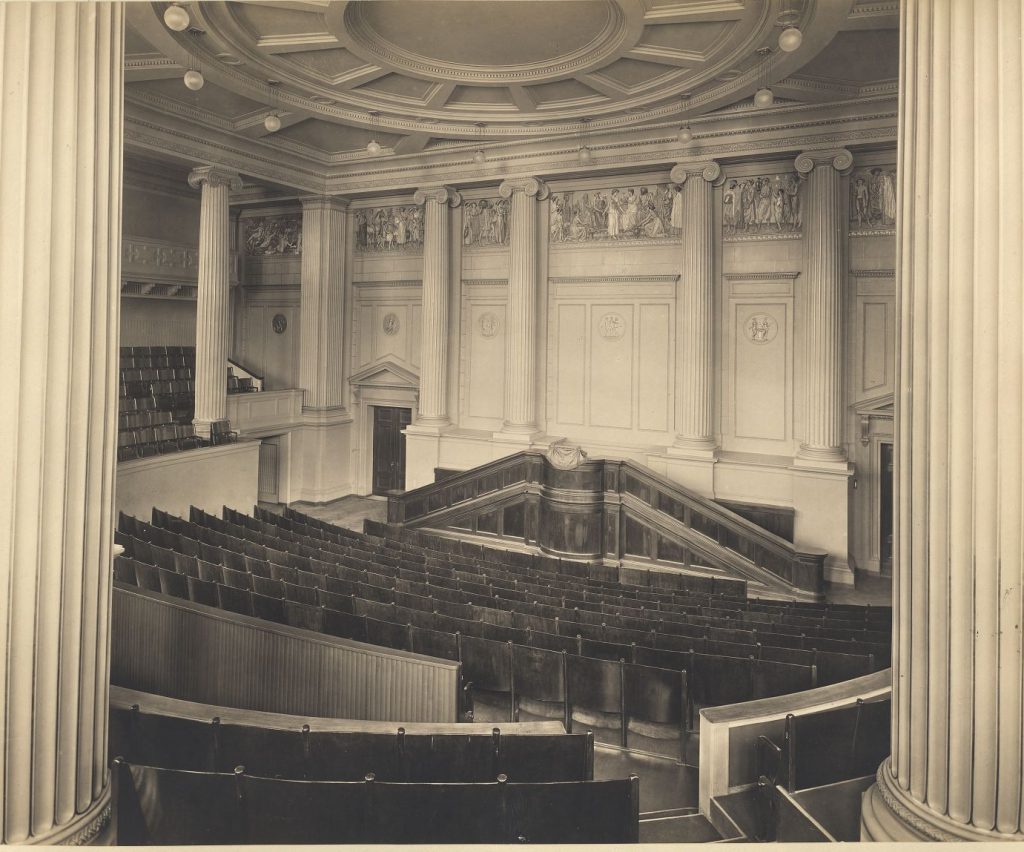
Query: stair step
[(691, 828)]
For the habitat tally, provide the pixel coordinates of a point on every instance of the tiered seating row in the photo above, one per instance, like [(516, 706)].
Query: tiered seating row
[(171, 742), (540, 653), (157, 402), (222, 808)]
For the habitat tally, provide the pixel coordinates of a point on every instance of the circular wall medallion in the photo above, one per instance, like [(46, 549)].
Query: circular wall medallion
[(279, 323), (761, 328), (488, 324), (611, 326), (391, 324)]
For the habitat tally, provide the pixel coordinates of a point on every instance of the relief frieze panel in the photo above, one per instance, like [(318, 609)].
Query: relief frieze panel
[(389, 229), (273, 235), (485, 223), (873, 200), (762, 207), (647, 212)]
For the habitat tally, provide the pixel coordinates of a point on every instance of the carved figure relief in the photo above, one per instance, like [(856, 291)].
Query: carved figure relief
[(488, 324), (388, 229), (767, 205), (625, 213), (611, 326), (391, 324), (873, 199), (273, 235), (485, 223), (279, 323), (761, 329)]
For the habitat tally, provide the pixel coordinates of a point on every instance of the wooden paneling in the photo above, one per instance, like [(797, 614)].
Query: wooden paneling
[(192, 652)]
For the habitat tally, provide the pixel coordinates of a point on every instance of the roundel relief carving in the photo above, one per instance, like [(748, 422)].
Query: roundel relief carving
[(391, 324), (611, 326), (761, 328), (279, 323), (488, 324)]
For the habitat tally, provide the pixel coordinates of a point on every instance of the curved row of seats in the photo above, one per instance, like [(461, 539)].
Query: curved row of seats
[(559, 659), (209, 745), (235, 808)]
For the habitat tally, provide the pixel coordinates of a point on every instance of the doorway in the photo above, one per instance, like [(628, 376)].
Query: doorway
[(885, 508), (389, 448)]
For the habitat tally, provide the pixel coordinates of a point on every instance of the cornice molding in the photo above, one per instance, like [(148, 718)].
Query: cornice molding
[(613, 279), (873, 273), (760, 276), (324, 203)]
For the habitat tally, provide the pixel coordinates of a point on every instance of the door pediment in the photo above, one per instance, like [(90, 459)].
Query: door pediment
[(386, 374)]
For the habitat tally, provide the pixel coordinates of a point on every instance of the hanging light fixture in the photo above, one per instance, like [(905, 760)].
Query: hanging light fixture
[(194, 79), (273, 121), (585, 154), (176, 18), (479, 157), (685, 134), (790, 38), (764, 96), (373, 146)]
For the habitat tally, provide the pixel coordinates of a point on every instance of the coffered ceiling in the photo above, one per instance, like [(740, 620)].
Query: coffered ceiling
[(419, 75)]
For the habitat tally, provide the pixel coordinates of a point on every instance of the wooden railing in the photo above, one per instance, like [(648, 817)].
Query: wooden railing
[(596, 510)]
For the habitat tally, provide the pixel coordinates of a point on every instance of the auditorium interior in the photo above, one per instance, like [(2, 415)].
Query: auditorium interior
[(570, 421)]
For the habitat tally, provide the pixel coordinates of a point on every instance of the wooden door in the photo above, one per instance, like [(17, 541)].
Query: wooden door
[(268, 471), (389, 448)]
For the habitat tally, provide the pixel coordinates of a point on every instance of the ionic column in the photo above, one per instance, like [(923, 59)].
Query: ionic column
[(60, 179), (824, 271), (321, 368), (521, 316), (433, 398), (695, 321), (956, 766), (213, 301)]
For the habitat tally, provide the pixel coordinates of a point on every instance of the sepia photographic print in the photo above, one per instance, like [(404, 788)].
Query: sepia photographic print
[(486, 422)]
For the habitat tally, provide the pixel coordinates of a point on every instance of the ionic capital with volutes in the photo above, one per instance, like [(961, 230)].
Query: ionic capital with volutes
[(839, 159), (708, 170), (529, 186), (439, 194), (214, 176)]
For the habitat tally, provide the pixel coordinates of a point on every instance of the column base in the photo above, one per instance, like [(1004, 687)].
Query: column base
[(517, 434), (888, 814), (428, 426), (694, 448), (821, 458), (94, 827), (204, 428)]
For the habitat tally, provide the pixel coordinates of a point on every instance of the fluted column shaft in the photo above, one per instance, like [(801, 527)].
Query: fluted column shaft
[(695, 319), (60, 180), (433, 401), (212, 308), (521, 322), (824, 271), (321, 367), (956, 765)]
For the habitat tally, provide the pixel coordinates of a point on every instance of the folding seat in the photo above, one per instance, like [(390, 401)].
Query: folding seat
[(487, 666), (147, 576), (174, 584), (267, 587), (124, 570), (162, 558), (234, 561), (237, 579), (541, 675), (331, 600), (344, 625), (310, 579), (434, 643), (283, 572), (234, 600), (387, 634), (209, 552), (596, 685), (268, 608), (210, 572), (300, 594)]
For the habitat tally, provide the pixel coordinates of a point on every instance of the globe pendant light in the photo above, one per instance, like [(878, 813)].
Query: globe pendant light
[(685, 134), (479, 157), (194, 80), (585, 154), (790, 39), (764, 96), (272, 123), (373, 146), (176, 18)]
